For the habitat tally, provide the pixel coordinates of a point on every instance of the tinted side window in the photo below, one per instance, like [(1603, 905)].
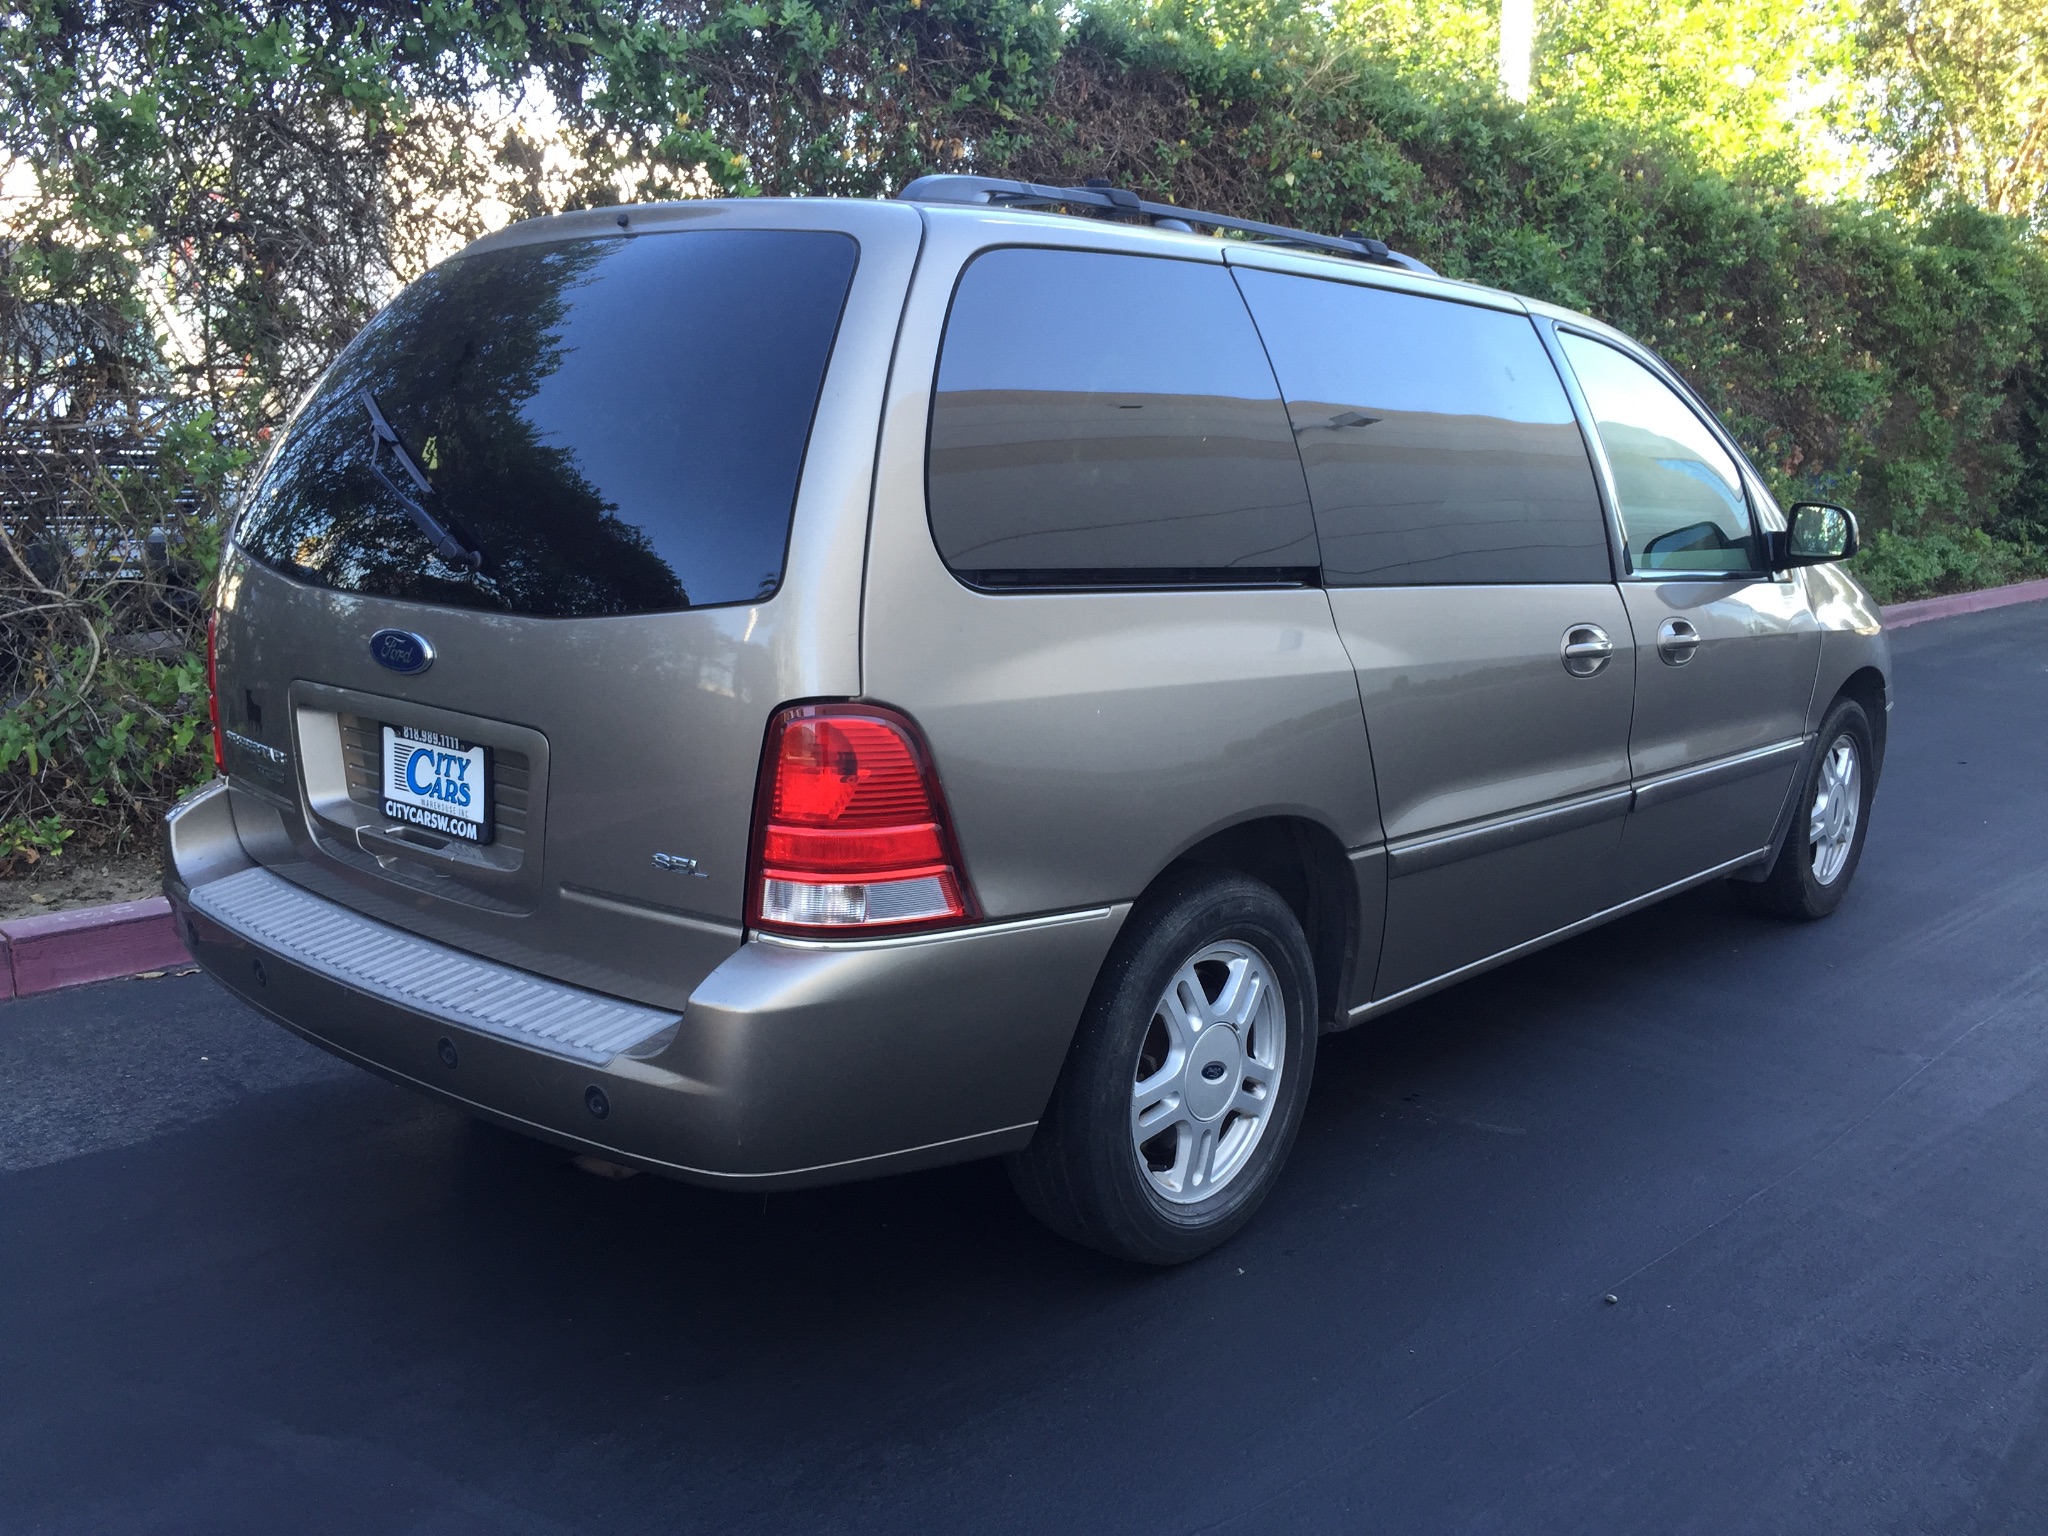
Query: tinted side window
[(1440, 445), (1104, 418), (1682, 506)]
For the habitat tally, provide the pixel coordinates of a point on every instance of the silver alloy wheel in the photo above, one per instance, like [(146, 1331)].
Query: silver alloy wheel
[(1837, 802), (1208, 1073)]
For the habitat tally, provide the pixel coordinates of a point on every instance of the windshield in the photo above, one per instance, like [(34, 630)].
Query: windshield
[(599, 426)]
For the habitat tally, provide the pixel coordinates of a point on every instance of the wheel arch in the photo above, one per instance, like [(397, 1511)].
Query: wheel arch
[(1304, 861), (1868, 687)]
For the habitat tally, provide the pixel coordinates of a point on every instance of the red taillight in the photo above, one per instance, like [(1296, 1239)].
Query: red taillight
[(851, 832), (220, 756)]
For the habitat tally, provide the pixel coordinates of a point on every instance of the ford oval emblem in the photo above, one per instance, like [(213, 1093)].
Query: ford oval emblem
[(401, 650)]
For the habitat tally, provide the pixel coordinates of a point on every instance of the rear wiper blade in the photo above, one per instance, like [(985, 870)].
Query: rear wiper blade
[(445, 543)]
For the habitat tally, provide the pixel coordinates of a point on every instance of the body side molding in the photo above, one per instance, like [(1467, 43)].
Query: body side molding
[(1450, 978), (1666, 787)]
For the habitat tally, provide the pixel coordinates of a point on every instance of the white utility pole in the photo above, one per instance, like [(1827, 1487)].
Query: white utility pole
[(1517, 40)]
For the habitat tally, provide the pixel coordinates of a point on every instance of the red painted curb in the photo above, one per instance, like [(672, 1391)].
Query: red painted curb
[(1904, 615), (64, 949)]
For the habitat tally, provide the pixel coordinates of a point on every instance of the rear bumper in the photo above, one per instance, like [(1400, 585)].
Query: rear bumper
[(793, 1063)]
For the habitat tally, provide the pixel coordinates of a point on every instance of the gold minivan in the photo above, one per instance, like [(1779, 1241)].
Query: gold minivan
[(781, 691)]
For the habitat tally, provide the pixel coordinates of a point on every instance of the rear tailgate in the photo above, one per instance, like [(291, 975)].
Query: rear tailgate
[(567, 783)]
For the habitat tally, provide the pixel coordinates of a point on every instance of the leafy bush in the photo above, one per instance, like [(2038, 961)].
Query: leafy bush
[(25, 843), (105, 559), (1898, 567)]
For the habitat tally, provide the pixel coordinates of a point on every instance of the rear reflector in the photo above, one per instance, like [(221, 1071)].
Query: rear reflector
[(851, 832)]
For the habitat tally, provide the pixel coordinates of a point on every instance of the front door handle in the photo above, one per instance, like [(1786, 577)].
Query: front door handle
[(1586, 650), (1676, 641)]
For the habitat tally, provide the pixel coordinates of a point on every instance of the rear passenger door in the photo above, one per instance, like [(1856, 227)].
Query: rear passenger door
[(1092, 575), (1728, 650), (1467, 560)]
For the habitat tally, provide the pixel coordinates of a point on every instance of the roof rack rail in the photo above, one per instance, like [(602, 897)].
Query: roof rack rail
[(1099, 195)]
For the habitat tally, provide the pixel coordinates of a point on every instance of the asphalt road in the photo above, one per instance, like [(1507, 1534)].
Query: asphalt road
[(246, 1288)]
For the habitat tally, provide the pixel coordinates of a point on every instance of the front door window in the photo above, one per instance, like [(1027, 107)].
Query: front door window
[(1682, 505)]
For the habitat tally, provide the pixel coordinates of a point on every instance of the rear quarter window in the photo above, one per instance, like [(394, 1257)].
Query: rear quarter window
[(616, 425), (1102, 418), (1440, 445)]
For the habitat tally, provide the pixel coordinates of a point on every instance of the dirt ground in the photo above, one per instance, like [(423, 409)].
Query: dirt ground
[(80, 880)]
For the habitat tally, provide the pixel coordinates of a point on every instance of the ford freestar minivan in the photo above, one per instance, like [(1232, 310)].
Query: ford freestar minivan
[(774, 692)]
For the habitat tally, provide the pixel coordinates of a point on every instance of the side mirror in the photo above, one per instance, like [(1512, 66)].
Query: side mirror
[(1820, 532)]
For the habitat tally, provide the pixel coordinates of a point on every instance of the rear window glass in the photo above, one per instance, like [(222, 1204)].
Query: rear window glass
[(1439, 442), (612, 425), (1111, 419)]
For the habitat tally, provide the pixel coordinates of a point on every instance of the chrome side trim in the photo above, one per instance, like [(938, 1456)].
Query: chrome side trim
[(1666, 787), (583, 896), (1394, 1000), (424, 977), (1439, 848), (943, 935)]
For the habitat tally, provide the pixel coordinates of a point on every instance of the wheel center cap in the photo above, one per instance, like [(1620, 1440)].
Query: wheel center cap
[(1215, 1066)]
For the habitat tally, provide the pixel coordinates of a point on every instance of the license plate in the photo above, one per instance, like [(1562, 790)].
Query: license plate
[(437, 783)]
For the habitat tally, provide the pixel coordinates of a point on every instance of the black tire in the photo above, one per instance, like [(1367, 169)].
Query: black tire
[(1084, 1174), (1795, 889)]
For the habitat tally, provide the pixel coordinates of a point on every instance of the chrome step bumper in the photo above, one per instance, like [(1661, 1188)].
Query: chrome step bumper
[(425, 977)]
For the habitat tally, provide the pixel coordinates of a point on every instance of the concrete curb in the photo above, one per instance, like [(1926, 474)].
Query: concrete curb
[(1904, 615), (67, 949)]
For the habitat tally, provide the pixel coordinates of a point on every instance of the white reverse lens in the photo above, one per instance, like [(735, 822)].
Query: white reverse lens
[(831, 906)]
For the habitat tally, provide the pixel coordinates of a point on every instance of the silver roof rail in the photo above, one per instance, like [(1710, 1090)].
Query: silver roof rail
[(1101, 197)]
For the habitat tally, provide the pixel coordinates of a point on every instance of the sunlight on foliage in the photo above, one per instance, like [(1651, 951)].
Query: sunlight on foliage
[(1959, 100)]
